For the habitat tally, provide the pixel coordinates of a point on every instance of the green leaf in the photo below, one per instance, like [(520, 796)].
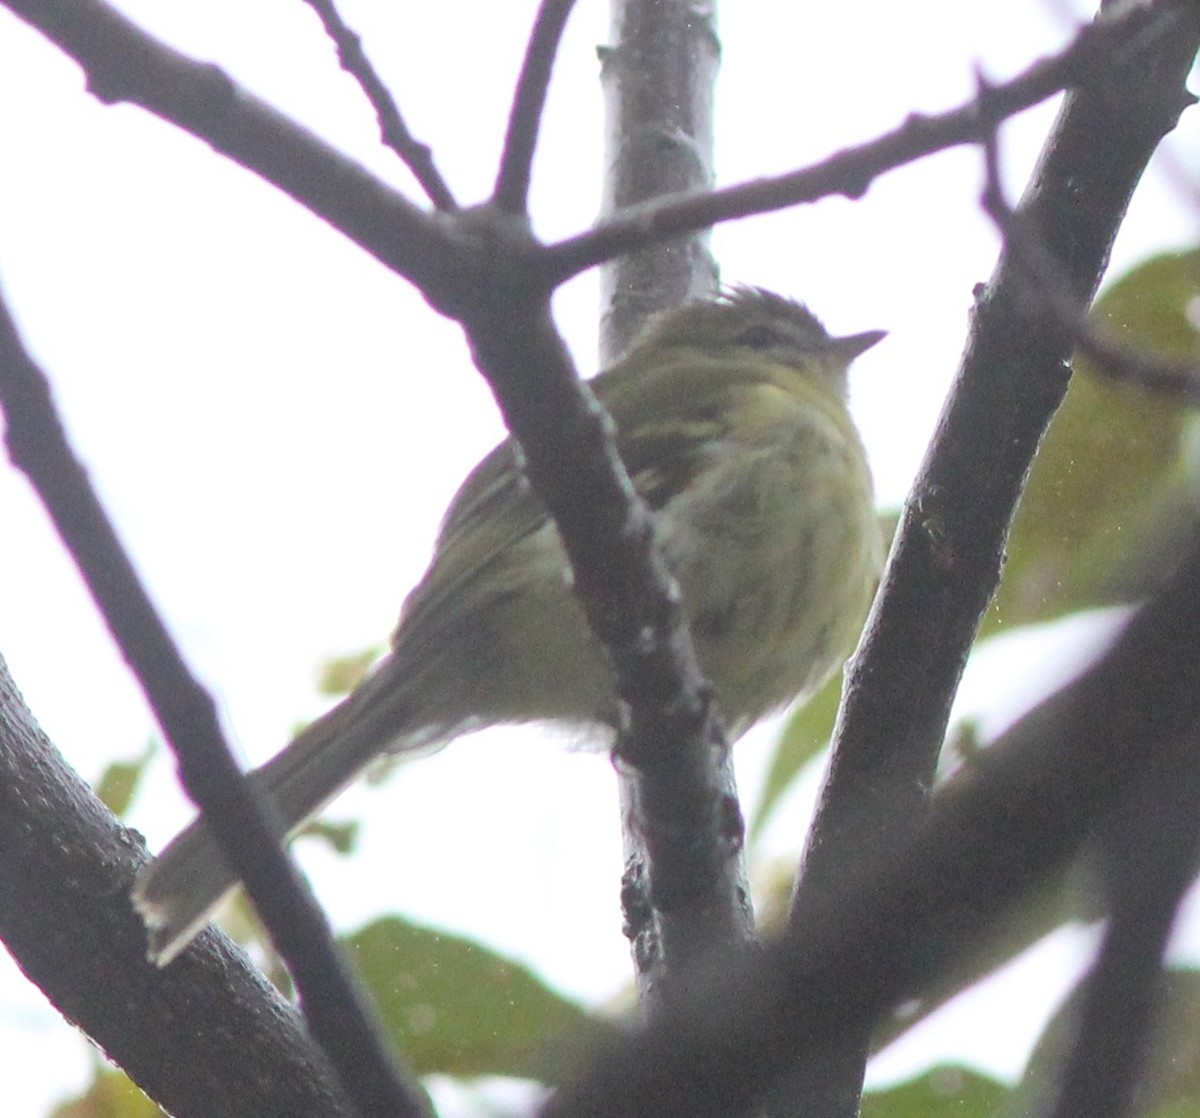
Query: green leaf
[(111, 1094), (1172, 1081), (804, 737), (341, 837), (118, 784), (455, 1007), (942, 1092), (340, 675), (1111, 476)]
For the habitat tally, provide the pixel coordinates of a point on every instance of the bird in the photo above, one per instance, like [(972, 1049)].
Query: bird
[(732, 421)]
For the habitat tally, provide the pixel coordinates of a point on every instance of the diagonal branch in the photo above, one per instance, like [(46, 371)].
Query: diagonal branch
[(511, 192), (337, 1014), (417, 157), (851, 172), (1050, 287), (946, 559), (209, 1037)]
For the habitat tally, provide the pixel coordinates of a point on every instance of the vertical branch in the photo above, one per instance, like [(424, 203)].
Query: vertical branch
[(658, 78), (682, 895)]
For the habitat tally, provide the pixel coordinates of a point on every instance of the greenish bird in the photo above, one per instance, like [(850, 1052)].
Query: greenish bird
[(731, 419)]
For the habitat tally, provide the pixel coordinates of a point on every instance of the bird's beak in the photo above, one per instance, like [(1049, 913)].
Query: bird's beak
[(854, 345)]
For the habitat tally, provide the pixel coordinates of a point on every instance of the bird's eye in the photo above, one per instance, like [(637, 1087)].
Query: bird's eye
[(758, 337)]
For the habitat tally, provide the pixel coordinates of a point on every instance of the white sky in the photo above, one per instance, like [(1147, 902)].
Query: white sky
[(276, 422)]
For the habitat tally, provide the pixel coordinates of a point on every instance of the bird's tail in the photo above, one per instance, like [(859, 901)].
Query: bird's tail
[(178, 892)]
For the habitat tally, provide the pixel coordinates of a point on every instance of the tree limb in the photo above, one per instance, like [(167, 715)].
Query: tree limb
[(337, 1013), (209, 1037), (946, 558)]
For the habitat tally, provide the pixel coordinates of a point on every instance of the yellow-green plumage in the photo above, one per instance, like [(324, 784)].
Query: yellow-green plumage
[(732, 422)]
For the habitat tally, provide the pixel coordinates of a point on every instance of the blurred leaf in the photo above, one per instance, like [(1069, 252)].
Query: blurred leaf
[(952, 1092), (119, 782), (1110, 479), (239, 921), (342, 837), (804, 737), (1172, 1084), (455, 1007), (340, 675), (112, 1094), (1174, 1074)]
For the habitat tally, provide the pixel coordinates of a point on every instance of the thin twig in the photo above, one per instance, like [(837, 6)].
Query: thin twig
[(123, 63), (417, 156), (511, 192), (337, 1014), (1120, 363), (851, 172)]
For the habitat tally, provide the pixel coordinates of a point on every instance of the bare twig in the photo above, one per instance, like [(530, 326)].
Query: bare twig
[(511, 192), (851, 172), (417, 156), (123, 63), (337, 1014), (1180, 380)]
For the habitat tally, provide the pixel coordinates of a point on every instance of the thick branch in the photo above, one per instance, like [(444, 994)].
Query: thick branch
[(337, 1014), (946, 560), (208, 1037)]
